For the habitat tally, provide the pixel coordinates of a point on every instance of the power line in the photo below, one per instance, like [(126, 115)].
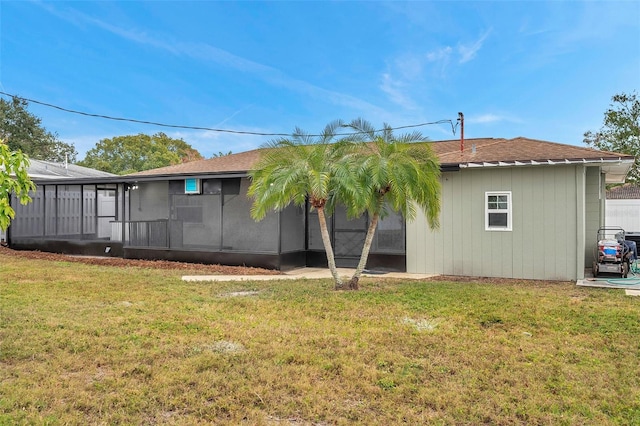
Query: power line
[(240, 132)]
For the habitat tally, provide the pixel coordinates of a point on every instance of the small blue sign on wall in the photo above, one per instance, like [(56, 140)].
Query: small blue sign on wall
[(192, 186)]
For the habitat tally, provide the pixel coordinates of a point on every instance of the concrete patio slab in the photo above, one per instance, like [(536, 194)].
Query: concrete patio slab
[(304, 273), (631, 283)]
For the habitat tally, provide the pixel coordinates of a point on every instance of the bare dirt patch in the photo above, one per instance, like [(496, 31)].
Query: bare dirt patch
[(149, 264), (240, 294)]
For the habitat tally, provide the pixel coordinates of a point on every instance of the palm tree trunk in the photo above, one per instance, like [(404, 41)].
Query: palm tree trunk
[(326, 240), (353, 282)]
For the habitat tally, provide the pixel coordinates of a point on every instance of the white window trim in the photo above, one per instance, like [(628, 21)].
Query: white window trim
[(508, 211)]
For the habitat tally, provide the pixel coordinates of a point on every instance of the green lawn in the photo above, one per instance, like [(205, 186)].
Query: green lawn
[(85, 344)]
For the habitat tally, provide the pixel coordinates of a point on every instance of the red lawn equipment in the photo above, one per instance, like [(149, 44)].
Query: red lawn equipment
[(611, 254)]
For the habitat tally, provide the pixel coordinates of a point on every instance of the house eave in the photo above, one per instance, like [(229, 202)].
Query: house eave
[(616, 169), (182, 176), (134, 179)]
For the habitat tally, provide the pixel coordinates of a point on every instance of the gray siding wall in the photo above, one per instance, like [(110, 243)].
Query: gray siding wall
[(594, 210), (547, 235)]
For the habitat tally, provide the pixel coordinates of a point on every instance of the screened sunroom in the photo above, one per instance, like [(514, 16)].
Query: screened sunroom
[(202, 219), (67, 212)]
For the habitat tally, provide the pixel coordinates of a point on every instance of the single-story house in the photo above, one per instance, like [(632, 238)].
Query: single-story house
[(516, 208)]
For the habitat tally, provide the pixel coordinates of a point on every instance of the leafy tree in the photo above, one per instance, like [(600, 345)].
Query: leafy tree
[(620, 131), (135, 153), (395, 173), (14, 179), (292, 170), (23, 131)]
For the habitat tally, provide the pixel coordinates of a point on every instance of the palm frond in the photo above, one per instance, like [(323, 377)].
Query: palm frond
[(365, 130)]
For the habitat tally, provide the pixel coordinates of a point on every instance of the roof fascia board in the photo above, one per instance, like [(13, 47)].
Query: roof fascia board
[(449, 168), (615, 170), (520, 163), (78, 181), (219, 175), (134, 179)]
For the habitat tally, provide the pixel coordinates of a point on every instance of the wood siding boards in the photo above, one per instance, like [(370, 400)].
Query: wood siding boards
[(580, 219), (594, 219), (543, 244)]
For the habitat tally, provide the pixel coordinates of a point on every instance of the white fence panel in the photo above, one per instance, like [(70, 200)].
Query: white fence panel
[(623, 213)]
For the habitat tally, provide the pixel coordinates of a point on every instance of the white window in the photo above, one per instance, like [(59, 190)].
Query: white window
[(497, 211)]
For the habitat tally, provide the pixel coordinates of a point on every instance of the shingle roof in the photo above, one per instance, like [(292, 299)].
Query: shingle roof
[(517, 149), (624, 192), (479, 150), (39, 169), (240, 162)]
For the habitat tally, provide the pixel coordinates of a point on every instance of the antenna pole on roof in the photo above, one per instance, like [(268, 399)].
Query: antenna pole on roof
[(461, 120)]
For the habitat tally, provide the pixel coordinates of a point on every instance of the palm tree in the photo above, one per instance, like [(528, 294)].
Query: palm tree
[(395, 173), (305, 167)]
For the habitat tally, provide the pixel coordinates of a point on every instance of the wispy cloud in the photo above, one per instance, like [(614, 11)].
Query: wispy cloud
[(527, 30), (400, 79), (209, 53), (468, 51), (224, 120), (567, 30), (441, 57), (441, 54), (490, 118), (485, 118), (598, 21), (395, 89)]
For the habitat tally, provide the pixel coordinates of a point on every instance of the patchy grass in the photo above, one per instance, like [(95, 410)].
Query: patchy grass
[(83, 344)]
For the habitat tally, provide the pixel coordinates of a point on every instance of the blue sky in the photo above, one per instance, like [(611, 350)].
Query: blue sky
[(544, 70)]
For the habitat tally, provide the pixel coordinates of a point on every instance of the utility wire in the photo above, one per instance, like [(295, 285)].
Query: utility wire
[(240, 132)]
